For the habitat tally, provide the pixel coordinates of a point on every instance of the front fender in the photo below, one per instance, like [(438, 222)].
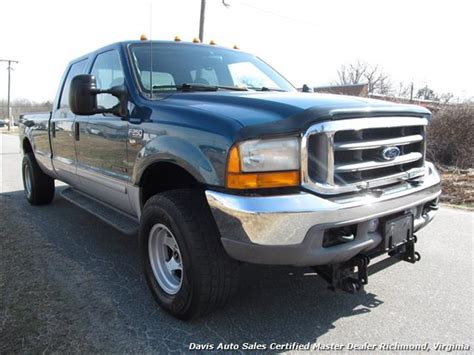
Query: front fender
[(205, 162)]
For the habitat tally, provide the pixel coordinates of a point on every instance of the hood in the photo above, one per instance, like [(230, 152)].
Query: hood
[(265, 113)]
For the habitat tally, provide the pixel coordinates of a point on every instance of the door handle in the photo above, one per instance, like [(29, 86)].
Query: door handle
[(76, 131), (53, 129)]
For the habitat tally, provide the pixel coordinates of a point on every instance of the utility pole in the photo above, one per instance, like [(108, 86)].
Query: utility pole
[(201, 21), (201, 18), (9, 68)]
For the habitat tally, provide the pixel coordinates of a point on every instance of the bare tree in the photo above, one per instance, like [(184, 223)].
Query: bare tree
[(446, 97), (404, 90), (20, 106), (351, 74), (426, 93), (362, 72)]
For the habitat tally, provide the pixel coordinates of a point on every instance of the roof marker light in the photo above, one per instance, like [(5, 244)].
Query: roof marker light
[(196, 40), (177, 38), (212, 42), (143, 37)]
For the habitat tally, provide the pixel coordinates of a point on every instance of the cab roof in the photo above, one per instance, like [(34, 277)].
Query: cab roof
[(125, 44)]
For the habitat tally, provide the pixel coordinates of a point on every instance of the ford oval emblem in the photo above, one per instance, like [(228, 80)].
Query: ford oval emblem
[(390, 153)]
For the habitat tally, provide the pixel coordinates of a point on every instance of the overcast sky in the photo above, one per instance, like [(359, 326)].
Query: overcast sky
[(429, 42)]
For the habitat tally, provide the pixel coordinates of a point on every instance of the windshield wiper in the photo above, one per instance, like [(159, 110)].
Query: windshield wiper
[(235, 88), (264, 88), (187, 87)]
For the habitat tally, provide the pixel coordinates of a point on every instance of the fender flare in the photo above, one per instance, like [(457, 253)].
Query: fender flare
[(179, 152)]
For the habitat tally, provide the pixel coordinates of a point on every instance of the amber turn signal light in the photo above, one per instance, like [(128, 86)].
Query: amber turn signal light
[(263, 180)]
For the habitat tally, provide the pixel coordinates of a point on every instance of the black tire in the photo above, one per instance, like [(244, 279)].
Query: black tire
[(210, 277), (39, 187)]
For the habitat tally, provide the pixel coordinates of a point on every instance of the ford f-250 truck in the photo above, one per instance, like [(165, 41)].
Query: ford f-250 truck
[(215, 159)]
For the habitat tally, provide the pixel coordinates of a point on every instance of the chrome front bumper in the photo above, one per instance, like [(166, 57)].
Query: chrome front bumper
[(289, 229)]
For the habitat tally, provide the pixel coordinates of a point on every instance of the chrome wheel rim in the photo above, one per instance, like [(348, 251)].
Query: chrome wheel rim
[(27, 180), (165, 259)]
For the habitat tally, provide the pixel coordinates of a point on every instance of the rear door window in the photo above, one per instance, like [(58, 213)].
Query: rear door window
[(75, 69)]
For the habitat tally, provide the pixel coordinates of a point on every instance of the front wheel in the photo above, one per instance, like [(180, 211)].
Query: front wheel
[(39, 187), (186, 267)]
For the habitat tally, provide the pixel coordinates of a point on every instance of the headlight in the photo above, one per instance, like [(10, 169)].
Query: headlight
[(264, 163), (269, 155)]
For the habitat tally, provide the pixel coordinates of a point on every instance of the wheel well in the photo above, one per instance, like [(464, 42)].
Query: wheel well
[(27, 148), (162, 177)]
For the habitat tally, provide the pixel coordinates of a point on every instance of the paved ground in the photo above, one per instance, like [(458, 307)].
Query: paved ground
[(70, 283)]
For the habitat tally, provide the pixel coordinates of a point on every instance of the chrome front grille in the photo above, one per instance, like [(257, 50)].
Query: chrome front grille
[(350, 155)]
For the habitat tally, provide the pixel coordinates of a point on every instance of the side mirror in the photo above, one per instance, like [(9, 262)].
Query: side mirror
[(83, 97), (121, 93), (306, 88)]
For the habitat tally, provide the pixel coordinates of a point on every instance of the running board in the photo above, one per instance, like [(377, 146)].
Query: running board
[(109, 215)]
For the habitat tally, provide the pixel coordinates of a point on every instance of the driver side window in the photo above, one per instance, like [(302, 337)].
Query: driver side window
[(108, 72)]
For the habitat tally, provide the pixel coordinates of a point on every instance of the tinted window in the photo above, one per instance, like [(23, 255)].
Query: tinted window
[(158, 79), (179, 63), (75, 69), (247, 74), (206, 76), (108, 72)]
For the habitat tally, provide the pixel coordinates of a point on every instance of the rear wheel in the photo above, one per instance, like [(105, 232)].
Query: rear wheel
[(186, 267), (39, 187)]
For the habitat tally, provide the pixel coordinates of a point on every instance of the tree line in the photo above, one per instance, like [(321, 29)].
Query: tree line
[(379, 82), (20, 106)]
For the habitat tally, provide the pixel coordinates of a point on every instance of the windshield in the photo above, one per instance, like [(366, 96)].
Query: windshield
[(166, 67)]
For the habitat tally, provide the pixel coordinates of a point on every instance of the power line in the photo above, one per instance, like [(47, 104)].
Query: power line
[(227, 5), (268, 12)]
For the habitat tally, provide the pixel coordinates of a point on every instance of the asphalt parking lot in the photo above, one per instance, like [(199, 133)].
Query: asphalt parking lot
[(70, 283)]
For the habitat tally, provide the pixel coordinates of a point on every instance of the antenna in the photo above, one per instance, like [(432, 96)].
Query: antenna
[(151, 50)]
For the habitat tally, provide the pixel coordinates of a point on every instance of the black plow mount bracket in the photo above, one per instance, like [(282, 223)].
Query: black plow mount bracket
[(352, 275)]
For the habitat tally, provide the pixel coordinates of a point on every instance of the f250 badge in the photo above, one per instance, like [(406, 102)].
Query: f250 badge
[(134, 133)]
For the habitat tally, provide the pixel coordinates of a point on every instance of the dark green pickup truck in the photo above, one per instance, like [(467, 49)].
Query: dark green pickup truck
[(214, 159)]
